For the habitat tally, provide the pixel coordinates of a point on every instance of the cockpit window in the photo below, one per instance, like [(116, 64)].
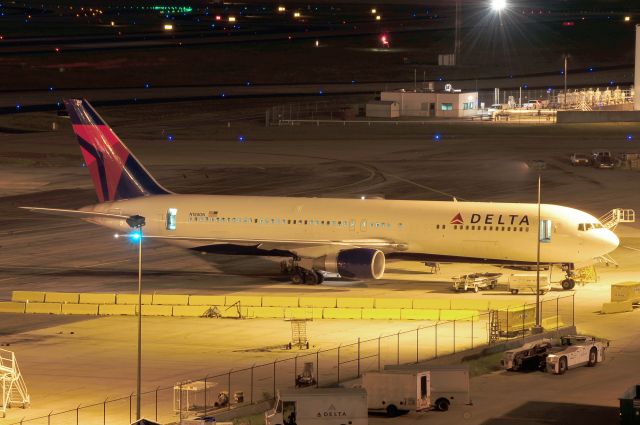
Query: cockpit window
[(583, 227)]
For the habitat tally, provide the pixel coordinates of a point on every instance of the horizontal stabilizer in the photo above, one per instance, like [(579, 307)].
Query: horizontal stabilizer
[(75, 213)]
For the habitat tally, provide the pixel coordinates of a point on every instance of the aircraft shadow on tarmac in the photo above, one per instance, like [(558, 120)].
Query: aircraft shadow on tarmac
[(543, 412)]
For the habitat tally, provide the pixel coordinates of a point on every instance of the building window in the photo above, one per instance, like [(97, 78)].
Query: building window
[(446, 106), (468, 105)]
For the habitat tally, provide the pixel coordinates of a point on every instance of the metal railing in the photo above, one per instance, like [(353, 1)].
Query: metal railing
[(259, 383)]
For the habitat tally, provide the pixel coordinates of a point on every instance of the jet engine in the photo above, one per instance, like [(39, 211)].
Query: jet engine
[(360, 263)]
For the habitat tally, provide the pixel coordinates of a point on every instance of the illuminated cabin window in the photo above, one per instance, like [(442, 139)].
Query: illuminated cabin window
[(171, 218)]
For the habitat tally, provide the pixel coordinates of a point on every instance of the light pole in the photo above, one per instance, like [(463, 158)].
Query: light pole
[(538, 327), (137, 222), (566, 58)]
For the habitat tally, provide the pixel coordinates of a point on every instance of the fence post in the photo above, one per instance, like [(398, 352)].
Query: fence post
[(557, 313), (49, 418), (295, 370), (436, 340), (78, 415), (417, 344), (358, 357), (506, 335), (318, 369), (454, 336), (104, 412), (378, 353), (398, 350), (157, 389), (338, 364), (180, 405), (130, 397), (524, 313), (573, 309), (251, 396), (274, 377), (205, 396), (472, 331)]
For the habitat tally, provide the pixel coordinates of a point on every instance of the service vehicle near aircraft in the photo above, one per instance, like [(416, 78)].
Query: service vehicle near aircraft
[(574, 351), (519, 283), (475, 281), (397, 391), (530, 356), (324, 406), (579, 159)]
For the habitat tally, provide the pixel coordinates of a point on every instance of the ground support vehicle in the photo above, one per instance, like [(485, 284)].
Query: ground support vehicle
[(450, 385), (324, 406), (574, 351), (392, 392), (528, 283), (579, 159), (530, 356), (475, 281)]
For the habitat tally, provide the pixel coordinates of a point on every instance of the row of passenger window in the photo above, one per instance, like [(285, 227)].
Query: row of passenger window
[(267, 220), (489, 228)]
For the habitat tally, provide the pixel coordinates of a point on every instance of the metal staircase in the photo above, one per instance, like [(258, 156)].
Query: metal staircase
[(616, 216), (494, 327), (14, 390), (299, 333)]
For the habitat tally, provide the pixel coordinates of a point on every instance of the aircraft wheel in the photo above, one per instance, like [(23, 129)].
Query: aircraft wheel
[(476, 289), (567, 284)]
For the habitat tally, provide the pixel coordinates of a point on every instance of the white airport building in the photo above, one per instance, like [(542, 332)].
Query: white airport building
[(425, 103)]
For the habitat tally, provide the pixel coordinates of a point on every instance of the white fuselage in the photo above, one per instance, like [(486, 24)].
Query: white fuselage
[(483, 230)]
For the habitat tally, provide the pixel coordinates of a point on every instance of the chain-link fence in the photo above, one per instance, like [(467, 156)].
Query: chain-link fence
[(237, 390)]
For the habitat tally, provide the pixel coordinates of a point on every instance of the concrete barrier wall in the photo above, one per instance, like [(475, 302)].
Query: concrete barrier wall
[(356, 302), (394, 303), (13, 307), (190, 310), (317, 302), (574, 117), (617, 307), (62, 297), (117, 310), (504, 304), (381, 313), (157, 310), (244, 300), (461, 315), (232, 313), (207, 300), (279, 301), (414, 314), (86, 298), (342, 313), (44, 308), (132, 299), (28, 296), (469, 304), (303, 313), (87, 309), (266, 312), (432, 303), (166, 299)]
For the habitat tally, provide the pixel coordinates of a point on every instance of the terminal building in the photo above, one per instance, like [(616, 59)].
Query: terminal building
[(424, 103)]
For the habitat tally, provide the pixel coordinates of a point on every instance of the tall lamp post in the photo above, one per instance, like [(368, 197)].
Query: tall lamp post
[(566, 59), (137, 222), (538, 327)]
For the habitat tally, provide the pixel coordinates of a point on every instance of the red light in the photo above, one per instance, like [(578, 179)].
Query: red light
[(568, 24), (218, 17), (57, 50)]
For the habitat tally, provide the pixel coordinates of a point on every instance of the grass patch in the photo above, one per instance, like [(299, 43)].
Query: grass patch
[(484, 365)]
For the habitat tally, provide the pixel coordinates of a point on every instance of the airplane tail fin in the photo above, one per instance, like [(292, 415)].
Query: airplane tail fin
[(115, 171)]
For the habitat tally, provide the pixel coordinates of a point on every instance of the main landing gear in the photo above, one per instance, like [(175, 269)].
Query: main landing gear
[(300, 275), (568, 282)]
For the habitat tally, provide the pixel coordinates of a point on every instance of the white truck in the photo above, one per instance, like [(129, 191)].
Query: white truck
[(449, 384), (324, 406), (527, 283), (395, 391), (574, 351)]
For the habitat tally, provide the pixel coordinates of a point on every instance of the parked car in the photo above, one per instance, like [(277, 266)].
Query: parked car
[(532, 104), (574, 351), (494, 109), (579, 159), (475, 281), (602, 159)]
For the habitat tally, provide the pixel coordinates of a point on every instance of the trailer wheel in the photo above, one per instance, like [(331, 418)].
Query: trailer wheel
[(593, 357), (562, 366), (476, 289), (514, 292), (392, 411), (442, 404)]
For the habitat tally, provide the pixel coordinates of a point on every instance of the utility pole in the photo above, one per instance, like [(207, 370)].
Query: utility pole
[(538, 327), (566, 57)]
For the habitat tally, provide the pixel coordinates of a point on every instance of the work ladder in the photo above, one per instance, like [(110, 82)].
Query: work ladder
[(616, 216), (14, 390), (299, 333), (494, 326)]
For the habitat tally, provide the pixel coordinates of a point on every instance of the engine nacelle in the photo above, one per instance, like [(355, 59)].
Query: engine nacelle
[(361, 263)]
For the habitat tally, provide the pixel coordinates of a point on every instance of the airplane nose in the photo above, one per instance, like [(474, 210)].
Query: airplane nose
[(611, 241)]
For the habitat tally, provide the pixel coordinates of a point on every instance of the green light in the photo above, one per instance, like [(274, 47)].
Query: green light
[(171, 9)]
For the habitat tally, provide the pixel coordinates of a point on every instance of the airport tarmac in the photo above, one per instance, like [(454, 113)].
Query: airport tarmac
[(470, 162)]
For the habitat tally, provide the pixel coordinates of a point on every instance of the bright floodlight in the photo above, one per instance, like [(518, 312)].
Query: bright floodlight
[(498, 5)]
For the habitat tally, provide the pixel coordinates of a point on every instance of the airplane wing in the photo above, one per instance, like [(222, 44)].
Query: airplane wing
[(75, 213)]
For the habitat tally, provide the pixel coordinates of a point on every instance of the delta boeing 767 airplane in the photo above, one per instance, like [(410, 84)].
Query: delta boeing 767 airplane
[(351, 237)]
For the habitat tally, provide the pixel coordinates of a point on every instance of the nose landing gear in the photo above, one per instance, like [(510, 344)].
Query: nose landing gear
[(568, 282)]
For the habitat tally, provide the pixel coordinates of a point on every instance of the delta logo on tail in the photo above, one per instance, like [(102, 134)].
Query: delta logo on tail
[(457, 219)]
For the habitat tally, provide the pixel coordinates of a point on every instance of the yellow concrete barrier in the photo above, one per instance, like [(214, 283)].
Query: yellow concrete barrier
[(356, 302), (117, 310), (505, 304), (244, 300), (208, 300), (415, 314), (279, 301), (97, 298), (44, 308), (303, 313), (157, 310), (394, 303), (381, 313), (232, 313), (62, 297), (469, 304), (190, 310), (133, 299), (11, 307), (318, 302), (461, 315), (626, 291), (432, 303), (169, 299), (27, 296), (342, 313), (87, 309), (267, 312), (617, 307)]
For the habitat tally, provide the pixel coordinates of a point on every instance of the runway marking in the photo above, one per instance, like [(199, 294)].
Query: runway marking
[(631, 248)]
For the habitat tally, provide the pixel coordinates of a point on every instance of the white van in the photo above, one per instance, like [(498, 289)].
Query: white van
[(527, 283)]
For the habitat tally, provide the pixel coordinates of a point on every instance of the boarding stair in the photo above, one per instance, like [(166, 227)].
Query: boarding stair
[(14, 390), (616, 216), (299, 333)]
